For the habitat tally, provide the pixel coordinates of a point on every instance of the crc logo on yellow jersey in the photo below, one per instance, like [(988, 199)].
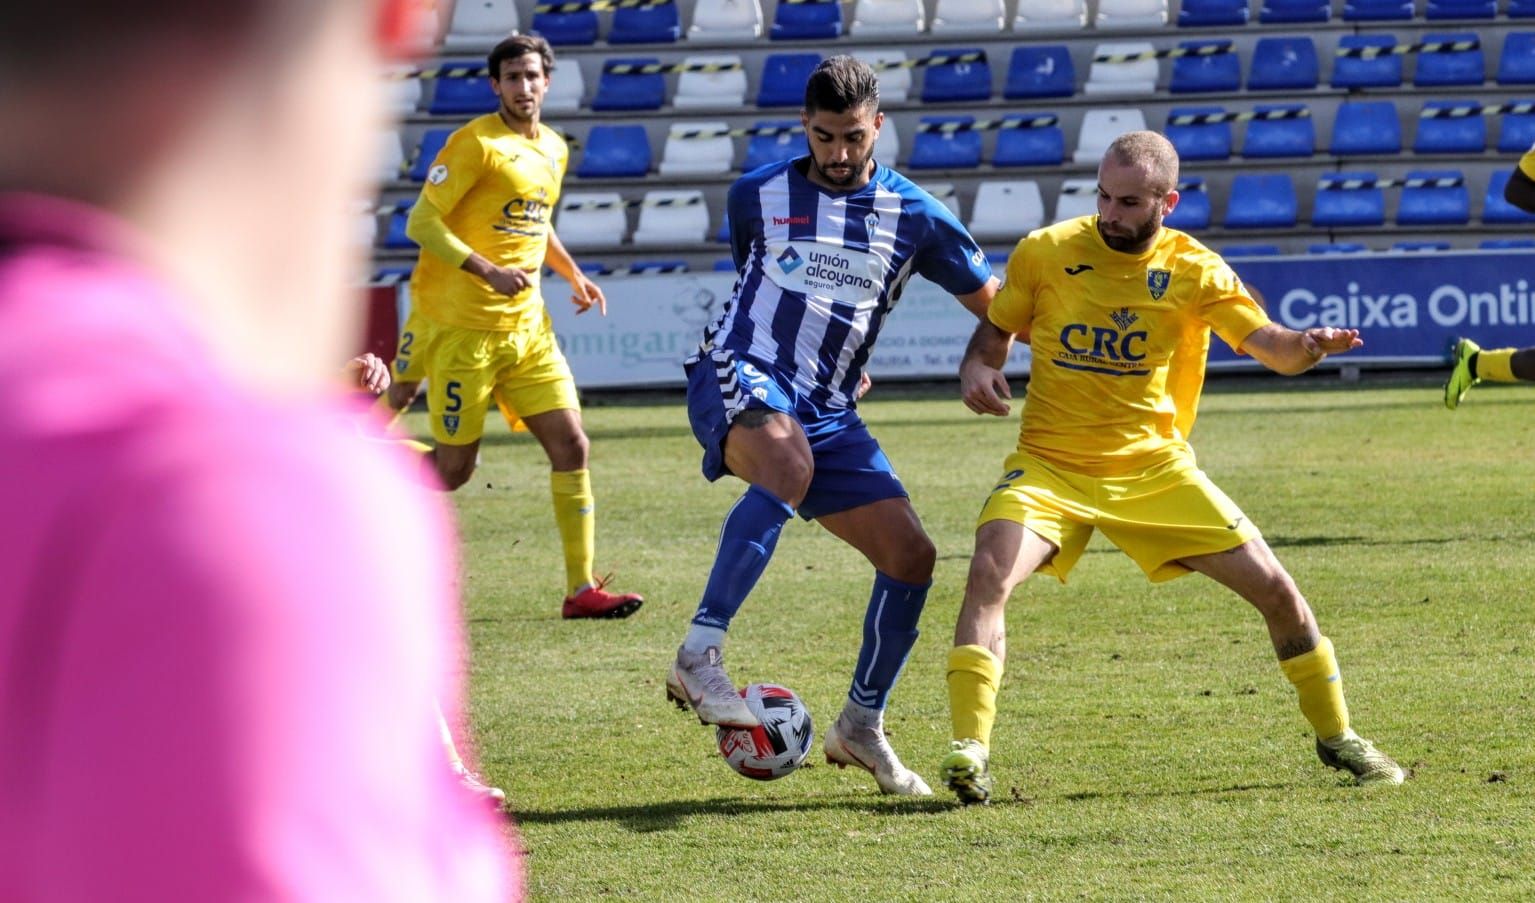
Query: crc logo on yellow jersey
[(1100, 349)]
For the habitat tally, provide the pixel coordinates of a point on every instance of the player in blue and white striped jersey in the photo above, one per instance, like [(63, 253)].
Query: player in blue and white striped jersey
[(824, 245)]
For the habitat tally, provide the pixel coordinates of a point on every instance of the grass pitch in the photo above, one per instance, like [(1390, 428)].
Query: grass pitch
[(1147, 746)]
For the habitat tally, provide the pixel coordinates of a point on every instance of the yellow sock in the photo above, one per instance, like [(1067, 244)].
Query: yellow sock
[(1320, 687), (974, 675), (1496, 365), (575, 512)]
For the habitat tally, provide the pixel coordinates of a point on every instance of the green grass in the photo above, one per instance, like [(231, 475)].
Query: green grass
[(1147, 746)]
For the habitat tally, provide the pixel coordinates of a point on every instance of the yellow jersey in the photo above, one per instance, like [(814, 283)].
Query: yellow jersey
[(1527, 163), (496, 191), (1118, 341)]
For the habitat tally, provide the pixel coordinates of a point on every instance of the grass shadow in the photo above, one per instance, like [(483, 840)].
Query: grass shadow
[(674, 815)]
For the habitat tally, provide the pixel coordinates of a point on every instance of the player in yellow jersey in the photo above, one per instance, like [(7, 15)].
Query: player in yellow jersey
[(1117, 310), (1470, 364), (483, 223)]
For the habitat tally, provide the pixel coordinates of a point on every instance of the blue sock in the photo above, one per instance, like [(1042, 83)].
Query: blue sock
[(746, 543), (889, 631)]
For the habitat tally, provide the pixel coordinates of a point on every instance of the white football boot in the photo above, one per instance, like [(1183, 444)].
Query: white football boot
[(866, 748), (698, 681)]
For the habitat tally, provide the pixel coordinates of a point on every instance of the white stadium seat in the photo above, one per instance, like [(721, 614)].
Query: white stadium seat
[(895, 81), (726, 20), (566, 87), (1050, 15), (1131, 13), (1139, 77), (404, 91), (478, 24), (1006, 210), (391, 157), (1100, 128), (979, 17), (1078, 197), (887, 147), (887, 18), (682, 221), (697, 156), (591, 220), (944, 192), (711, 89)]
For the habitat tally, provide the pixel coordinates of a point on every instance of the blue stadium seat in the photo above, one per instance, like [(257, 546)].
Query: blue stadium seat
[(783, 78), (1497, 210), (722, 235), (615, 152), (1434, 206), (1261, 202), (431, 144), (724, 265), (1250, 251), (1042, 70), (458, 96), (657, 24), (395, 237), (1193, 210), (1376, 10), (1039, 145), (1366, 127), (807, 20), (1383, 71), (1340, 247), (1418, 247), (1521, 9), (1459, 134), (1461, 9), (566, 29), (946, 150), (1516, 131), (1280, 137), (1450, 67), (630, 90), (764, 149), (1196, 13), (1217, 72), (1283, 64), (1516, 65), (956, 81), (657, 267), (1506, 244), (1198, 141), (1295, 11), (1339, 204)]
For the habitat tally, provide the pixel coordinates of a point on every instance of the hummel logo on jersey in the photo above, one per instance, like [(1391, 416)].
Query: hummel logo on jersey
[(1079, 269), (789, 260)]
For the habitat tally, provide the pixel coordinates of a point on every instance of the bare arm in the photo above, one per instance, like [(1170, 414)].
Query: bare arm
[(982, 385), (977, 301), (1286, 351), (584, 292)]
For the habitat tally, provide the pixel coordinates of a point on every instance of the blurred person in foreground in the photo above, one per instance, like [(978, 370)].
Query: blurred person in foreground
[(212, 685)]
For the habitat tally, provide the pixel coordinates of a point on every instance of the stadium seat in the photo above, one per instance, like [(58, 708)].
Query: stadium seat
[(1040, 70), (1420, 247), (456, 96), (888, 19), (1030, 145), (725, 21), (783, 78), (621, 90), (1461, 9), (1376, 10), (1199, 13), (960, 149), (1384, 71), (1006, 211), (724, 265), (1250, 251), (764, 149), (395, 238), (1521, 9), (943, 193), (1516, 132), (1516, 65), (1283, 64), (1366, 127), (806, 20), (1260, 202), (591, 220), (658, 24), (1077, 197), (894, 78), (1053, 15), (367, 229), (657, 267), (1216, 72), (1294, 11), (1506, 244), (1198, 140), (1450, 67), (1342, 202), (1137, 76), (722, 234), (479, 23), (1495, 209), (432, 141), (945, 82), (724, 87), (615, 152), (965, 17), (1447, 134), (1131, 14), (1193, 210), (1340, 247), (404, 90), (887, 147), (693, 156), (567, 88), (1289, 137), (390, 156), (1433, 205), (670, 217), (1099, 129), (567, 29)]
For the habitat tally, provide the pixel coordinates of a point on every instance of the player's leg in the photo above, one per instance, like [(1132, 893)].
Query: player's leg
[(410, 358), (1471, 364), (492, 795)]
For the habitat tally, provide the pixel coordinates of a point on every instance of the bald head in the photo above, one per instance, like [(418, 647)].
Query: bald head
[(1150, 153)]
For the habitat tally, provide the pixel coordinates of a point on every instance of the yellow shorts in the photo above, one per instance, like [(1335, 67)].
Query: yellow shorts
[(1168, 512), (410, 354), (524, 371)]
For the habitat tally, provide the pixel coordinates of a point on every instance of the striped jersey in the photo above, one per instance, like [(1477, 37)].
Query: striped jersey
[(819, 270)]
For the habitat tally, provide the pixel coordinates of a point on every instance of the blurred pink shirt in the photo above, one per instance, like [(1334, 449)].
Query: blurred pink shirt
[(223, 622)]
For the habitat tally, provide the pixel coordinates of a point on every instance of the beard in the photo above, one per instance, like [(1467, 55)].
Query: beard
[(855, 168), (1136, 241)]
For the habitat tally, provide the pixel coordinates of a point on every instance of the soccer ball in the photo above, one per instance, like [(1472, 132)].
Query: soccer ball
[(779, 744)]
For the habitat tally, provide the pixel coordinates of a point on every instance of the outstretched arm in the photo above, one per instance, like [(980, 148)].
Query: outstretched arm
[(584, 292), (1286, 351), (981, 382)]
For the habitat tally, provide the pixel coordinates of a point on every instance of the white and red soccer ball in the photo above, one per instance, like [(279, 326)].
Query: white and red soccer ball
[(779, 744)]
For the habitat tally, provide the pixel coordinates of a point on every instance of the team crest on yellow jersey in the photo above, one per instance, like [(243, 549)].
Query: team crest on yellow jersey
[(1156, 283)]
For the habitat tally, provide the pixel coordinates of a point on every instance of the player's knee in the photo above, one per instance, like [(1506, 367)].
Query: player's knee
[(570, 451), (914, 560), (988, 574), (400, 395), (454, 473)]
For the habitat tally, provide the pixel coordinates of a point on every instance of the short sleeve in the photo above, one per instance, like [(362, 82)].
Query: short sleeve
[(455, 170), (1012, 310), (950, 257), (1227, 306), (1527, 163)]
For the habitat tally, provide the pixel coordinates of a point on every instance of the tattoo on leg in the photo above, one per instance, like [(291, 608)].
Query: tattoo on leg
[(1290, 648), (753, 418)]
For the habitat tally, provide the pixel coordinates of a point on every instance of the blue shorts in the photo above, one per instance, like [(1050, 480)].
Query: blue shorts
[(850, 468)]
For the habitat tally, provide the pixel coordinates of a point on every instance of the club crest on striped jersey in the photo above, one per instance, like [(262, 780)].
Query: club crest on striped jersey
[(1156, 283), (871, 222)]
